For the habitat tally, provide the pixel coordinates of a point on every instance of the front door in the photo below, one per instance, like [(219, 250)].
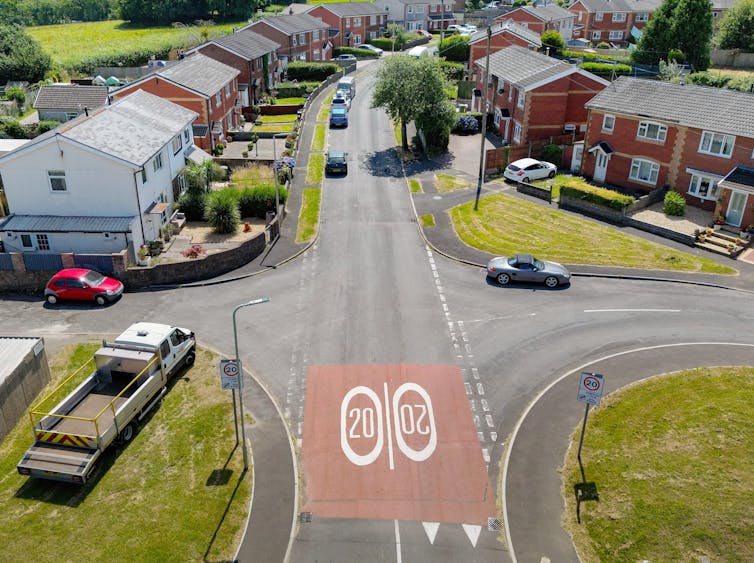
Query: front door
[(735, 209), (578, 151), (600, 168)]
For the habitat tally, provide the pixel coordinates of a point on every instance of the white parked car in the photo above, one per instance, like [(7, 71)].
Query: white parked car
[(370, 48), (528, 169), (341, 101)]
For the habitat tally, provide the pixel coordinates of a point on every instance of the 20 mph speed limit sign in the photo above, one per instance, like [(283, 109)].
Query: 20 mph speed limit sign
[(590, 388), (230, 374)]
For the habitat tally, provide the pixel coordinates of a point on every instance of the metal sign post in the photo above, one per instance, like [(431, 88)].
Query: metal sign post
[(590, 392), (229, 379)]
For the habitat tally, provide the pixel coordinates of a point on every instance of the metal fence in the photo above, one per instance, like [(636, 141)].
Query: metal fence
[(43, 262), (102, 263), (6, 262)]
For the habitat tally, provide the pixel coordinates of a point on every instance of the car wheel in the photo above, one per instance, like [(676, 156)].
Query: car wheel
[(190, 359), (126, 434), (526, 180), (551, 174), (52, 299), (551, 281), (100, 300), (503, 279)]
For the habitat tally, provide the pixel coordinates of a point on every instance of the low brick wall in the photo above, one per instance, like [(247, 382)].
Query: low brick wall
[(19, 388), (280, 109), (535, 191)]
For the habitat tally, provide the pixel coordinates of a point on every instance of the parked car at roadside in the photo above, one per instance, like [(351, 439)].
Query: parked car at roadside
[(338, 117), (346, 58), (528, 169), (335, 162), (527, 268), (81, 284), (341, 101), (370, 48)]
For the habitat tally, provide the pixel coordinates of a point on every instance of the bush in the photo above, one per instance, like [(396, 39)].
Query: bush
[(598, 196), (603, 45), (257, 201), (603, 68), (553, 154), (221, 211), (13, 129), (453, 71), (466, 124), (45, 126), (296, 89), (307, 72), (455, 48), (386, 43), (676, 56), (15, 93), (553, 40), (674, 204), (191, 204)]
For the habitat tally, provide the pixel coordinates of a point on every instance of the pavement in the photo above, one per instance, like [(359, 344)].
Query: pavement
[(274, 503)]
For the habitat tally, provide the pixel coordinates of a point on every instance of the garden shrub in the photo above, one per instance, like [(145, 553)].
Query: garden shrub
[(15, 93), (386, 43), (221, 211), (466, 124), (453, 71), (553, 154), (308, 72), (455, 48), (257, 201), (191, 204), (296, 89), (604, 68), (596, 195), (45, 126), (674, 204), (603, 45), (13, 129)]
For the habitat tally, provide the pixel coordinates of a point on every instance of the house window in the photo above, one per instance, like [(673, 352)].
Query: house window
[(26, 241), (704, 187), (516, 132), (356, 21), (608, 123), (372, 34), (357, 39), (581, 16), (57, 180), (315, 35), (644, 171), (371, 20), (217, 100), (410, 9), (143, 176), (315, 54), (598, 16), (227, 91), (596, 35), (302, 38), (652, 131), (521, 99), (186, 135), (294, 42), (348, 22), (420, 9), (510, 92), (717, 144), (619, 17), (177, 144), (157, 162), (43, 243), (616, 35), (642, 17)]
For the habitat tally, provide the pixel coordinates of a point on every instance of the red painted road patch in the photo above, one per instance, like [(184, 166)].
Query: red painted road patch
[(393, 442)]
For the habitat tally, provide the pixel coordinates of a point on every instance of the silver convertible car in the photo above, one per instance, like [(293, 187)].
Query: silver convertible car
[(526, 268)]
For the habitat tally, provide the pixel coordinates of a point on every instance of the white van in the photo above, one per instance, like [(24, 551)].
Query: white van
[(348, 85), (418, 51)]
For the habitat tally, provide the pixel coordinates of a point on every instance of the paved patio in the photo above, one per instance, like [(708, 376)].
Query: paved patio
[(693, 219)]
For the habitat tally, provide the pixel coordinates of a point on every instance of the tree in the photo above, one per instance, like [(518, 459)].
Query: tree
[(437, 115), (657, 37), (737, 27), (692, 30), (455, 48), (554, 41), (21, 58), (397, 91), (163, 11)]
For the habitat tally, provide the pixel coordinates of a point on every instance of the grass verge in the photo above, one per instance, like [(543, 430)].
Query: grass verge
[(671, 459), (318, 141), (284, 118), (427, 220), (180, 472), (415, 186), (448, 183), (309, 216), (507, 225), (315, 169), (273, 128), (289, 101), (324, 113)]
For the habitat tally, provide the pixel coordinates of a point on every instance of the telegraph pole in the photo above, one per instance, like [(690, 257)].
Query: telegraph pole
[(485, 88)]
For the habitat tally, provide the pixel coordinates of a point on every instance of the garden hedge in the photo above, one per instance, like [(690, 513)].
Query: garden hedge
[(454, 71), (295, 89), (596, 195), (605, 68), (309, 72)]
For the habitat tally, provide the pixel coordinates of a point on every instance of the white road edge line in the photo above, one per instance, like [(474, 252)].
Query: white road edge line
[(397, 542), (550, 386), (632, 310)]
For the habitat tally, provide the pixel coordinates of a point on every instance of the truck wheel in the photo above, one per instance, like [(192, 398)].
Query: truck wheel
[(190, 359), (127, 434)]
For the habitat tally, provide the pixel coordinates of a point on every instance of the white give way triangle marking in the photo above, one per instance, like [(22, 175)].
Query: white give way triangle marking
[(431, 529), (472, 532)]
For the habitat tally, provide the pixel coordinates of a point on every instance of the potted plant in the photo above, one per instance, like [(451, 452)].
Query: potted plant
[(142, 255), (245, 154)]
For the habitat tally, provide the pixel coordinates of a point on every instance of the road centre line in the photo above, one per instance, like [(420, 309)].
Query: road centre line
[(632, 310)]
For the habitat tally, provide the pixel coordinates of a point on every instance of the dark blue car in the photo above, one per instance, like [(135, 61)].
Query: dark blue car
[(339, 117)]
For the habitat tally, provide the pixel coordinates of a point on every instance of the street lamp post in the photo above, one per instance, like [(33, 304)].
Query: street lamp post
[(240, 369), (274, 158)]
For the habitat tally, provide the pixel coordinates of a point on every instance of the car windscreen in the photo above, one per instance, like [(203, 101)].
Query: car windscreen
[(338, 112), (336, 160), (513, 167), (93, 278), (539, 265)]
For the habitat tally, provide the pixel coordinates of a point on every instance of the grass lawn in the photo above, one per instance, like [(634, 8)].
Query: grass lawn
[(318, 141), (507, 225), (324, 113), (415, 186), (273, 128), (427, 220), (174, 493), (671, 459), (70, 43), (448, 183), (309, 216), (289, 101), (252, 175), (315, 169), (285, 118)]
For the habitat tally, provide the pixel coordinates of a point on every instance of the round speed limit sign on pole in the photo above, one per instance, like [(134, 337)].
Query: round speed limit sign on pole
[(230, 374)]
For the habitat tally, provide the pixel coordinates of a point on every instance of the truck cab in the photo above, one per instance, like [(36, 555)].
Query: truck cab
[(172, 343)]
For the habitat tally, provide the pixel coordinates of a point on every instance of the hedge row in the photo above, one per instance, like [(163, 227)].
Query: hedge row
[(598, 196), (251, 202), (310, 72), (386, 43), (605, 68), (362, 53), (295, 89), (591, 56), (136, 57), (454, 71)]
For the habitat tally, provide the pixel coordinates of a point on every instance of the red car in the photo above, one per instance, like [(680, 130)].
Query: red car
[(81, 284)]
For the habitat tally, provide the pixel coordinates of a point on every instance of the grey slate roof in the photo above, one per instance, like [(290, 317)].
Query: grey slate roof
[(522, 67), (65, 224), (548, 13), (741, 177), (12, 350), (511, 27), (200, 73), (70, 96), (247, 43), (622, 5), (353, 9), (294, 23), (701, 107)]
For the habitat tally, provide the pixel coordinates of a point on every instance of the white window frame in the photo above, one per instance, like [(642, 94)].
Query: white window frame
[(619, 16), (581, 16), (598, 17), (315, 54), (642, 131), (356, 22), (596, 35), (43, 242), (696, 182), (521, 100), (642, 17), (371, 20), (410, 9), (294, 41), (157, 162), (608, 123), (57, 178), (348, 22), (709, 138), (510, 92), (26, 241), (616, 35), (302, 38), (227, 90), (218, 100), (636, 169), (186, 135), (357, 39), (177, 144), (516, 132), (315, 35)]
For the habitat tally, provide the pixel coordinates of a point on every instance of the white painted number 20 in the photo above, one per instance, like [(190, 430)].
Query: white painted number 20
[(367, 422)]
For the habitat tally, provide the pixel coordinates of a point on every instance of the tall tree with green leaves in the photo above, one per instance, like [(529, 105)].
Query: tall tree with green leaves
[(657, 37), (437, 115), (21, 58), (397, 91), (737, 27), (692, 30)]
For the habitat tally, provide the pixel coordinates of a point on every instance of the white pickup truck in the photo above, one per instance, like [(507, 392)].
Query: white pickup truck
[(129, 378)]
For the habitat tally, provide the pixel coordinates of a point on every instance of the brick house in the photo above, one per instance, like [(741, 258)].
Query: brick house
[(542, 18), (533, 96), (351, 23), (201, 84), (418, 14), (62, 102), (645, 134), (253, 55), (440, 14), (301, 37), (611, 20), (504, 34)]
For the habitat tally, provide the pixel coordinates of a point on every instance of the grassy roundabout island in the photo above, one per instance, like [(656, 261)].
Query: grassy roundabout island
[(177, 492), (671, 458)]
